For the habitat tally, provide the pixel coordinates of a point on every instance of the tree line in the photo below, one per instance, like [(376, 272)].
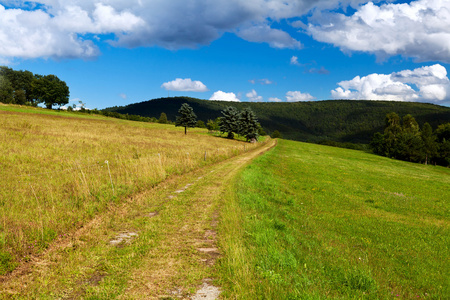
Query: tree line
[(403, 139), (26, 88), (342, 121)]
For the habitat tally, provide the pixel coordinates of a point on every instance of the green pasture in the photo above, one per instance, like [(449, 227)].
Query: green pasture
[(306, 221)]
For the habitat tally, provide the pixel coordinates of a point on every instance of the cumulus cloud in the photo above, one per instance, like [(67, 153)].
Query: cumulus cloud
[(184, 85), (429, 83), (275, 99), (253, 96), (65, 29), (420, 29), (31, 34), (296, 96), (222, 96)]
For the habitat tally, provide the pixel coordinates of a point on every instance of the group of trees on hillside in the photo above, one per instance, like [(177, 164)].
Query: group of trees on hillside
[(403, 139), (242, 122), (26, 88), (232, 122)]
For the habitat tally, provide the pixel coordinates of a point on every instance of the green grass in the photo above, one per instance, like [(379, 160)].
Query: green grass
[(58, 170), (314, 222)]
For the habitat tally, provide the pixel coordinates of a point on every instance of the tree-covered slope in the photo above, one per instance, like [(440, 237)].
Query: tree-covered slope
[(336, 120)]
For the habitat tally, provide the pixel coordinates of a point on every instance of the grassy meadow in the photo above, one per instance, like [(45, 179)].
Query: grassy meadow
[(306, 221), (58, 170)]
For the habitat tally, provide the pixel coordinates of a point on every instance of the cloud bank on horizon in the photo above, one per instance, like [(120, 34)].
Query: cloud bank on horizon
[(421, 84), (73, 29)]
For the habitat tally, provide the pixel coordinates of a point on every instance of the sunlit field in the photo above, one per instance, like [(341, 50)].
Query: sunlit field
[(58, 170), (316, 222)]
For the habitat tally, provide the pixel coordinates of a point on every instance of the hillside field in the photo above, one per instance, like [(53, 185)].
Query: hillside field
[(307, 221), (301, 221), (58, 170)]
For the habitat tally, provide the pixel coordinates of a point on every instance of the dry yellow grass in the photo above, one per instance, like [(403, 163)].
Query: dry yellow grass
[(58, 171)]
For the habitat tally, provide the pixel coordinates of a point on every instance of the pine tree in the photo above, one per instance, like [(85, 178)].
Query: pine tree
[(229, 122), (248, 124), (187, 117)]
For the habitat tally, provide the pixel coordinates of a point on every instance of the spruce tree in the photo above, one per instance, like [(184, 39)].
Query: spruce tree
[(187, 117), (248, 124), (229, 122)]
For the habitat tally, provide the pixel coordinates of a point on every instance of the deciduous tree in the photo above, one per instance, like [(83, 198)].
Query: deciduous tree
[(50, 90), (429, 142), (162, 118)]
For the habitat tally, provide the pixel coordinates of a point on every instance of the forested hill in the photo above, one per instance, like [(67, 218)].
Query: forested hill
[(315, 121)]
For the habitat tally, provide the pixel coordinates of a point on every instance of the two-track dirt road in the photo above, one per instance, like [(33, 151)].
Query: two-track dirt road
[(160, 244)]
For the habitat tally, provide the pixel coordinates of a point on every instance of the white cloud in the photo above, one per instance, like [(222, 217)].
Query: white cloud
[(222, 96), (31, 34), (274, 99), (253, 96), (420, 29), (67, 29), (70, 28), (184, 85), (295, 96), (429, 83), (294, 61), (123, 96)]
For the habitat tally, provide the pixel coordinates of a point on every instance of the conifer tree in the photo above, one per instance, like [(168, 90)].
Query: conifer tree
[(229, 122), (187, 117), (248, 124)]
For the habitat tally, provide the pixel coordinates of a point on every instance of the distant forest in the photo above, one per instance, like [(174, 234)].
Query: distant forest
[(331, 121)]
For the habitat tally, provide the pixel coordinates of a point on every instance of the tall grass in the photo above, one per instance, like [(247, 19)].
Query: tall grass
[(317, 222), (58, 170)]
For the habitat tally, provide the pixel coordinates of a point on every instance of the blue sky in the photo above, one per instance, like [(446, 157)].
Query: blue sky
[(117, 52)]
